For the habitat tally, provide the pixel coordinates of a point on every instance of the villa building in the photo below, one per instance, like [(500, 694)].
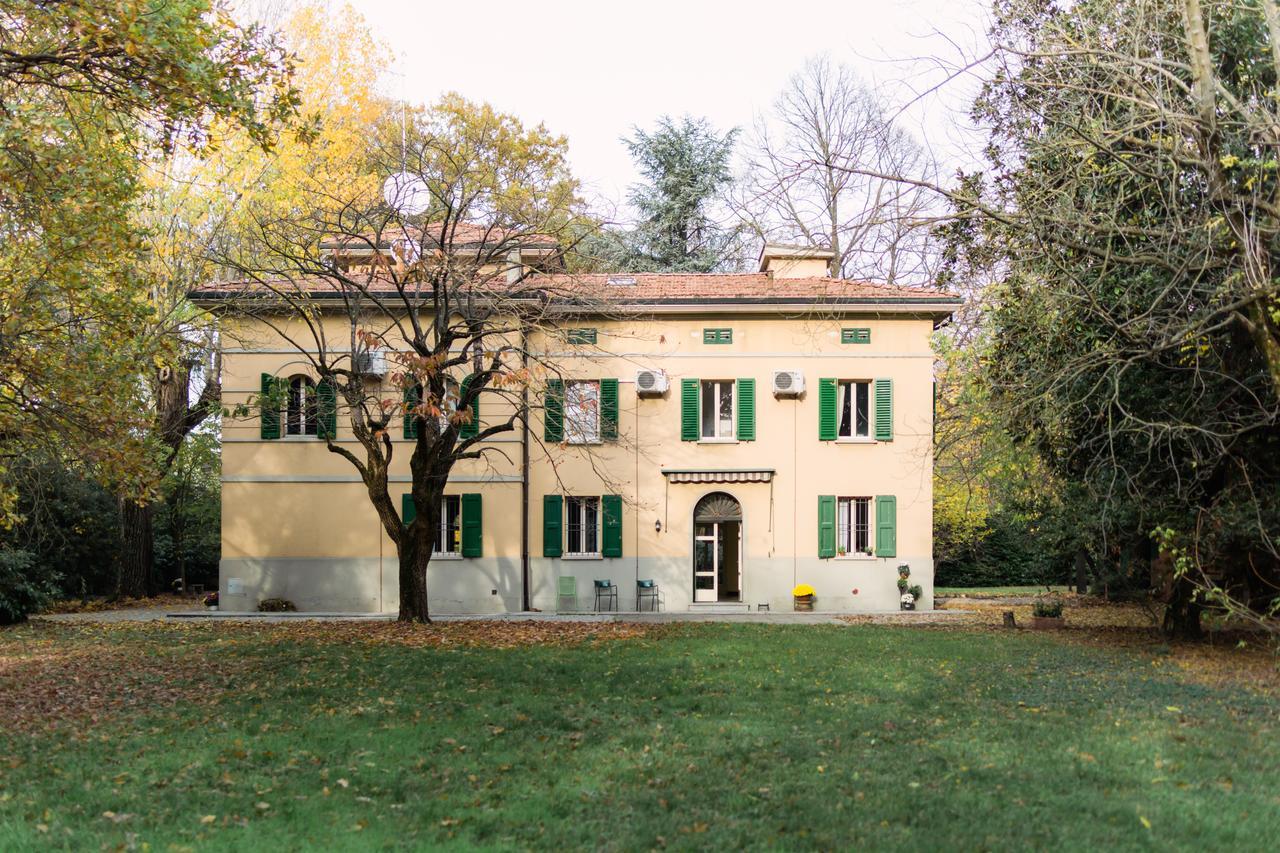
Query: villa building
[(716, 438)]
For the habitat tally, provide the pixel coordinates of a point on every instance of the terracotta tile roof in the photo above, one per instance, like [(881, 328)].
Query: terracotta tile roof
[(647, 289), (729, 287)]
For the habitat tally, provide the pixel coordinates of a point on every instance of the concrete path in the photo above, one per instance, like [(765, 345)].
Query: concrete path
[(156, 614)]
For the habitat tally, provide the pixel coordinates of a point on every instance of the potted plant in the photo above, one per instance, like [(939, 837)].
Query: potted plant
[(211, 601), (802, 597), (1047, 613), (908, 595)]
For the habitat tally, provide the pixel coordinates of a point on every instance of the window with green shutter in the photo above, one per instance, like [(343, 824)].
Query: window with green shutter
[(746, 410), (408, 510), (855, 336), (412, 397), (609, 409), (689, 409), (826, 409), (884, 409), (552, 526), (717, 336), (826, 526), (327, 409), (553, 412), (472, 526), (611, 509), (471, 428), (886, 526), (581, 336), (269, 408)]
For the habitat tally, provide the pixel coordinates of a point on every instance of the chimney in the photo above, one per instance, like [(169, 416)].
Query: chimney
[(782, 261)]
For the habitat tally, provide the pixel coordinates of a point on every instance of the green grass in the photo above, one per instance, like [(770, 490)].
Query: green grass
[(720, 736), (996, 591)]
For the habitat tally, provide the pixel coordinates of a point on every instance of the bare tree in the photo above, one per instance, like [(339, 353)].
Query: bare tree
[(454, 296), (806, 178)]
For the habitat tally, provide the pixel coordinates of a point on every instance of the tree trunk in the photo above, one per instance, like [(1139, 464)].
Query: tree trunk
[(413, 582), (137, 551), (1182, 612)]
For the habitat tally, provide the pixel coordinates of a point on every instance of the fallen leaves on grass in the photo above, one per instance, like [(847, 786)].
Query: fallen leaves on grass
[(1216, 662), (52, 674), (164, 601), (496, 633)]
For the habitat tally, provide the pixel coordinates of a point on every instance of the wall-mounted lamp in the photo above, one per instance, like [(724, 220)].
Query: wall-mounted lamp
[(657, 526)]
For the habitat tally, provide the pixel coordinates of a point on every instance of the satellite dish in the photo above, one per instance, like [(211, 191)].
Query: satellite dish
[(407, 193)]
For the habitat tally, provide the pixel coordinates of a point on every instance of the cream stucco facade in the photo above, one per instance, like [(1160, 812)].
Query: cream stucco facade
[(297, 522)]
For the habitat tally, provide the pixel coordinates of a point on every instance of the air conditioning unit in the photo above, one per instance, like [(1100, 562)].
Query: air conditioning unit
[(788, 383), (371, 362), (651, 383)]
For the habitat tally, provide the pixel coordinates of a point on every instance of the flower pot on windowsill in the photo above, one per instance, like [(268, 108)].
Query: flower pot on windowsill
[(1047, 623)]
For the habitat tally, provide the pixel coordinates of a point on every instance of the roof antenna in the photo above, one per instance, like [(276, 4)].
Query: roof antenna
[(405, 192)]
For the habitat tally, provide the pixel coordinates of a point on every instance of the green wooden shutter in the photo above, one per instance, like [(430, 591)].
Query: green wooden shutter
[(884, 410), (886, 526), (471, 428), (553, 412), (611, 541), (689, 409), (746, 410), (609, 409), (269, 408), (412, 397), (552, 515), (408, 511), (327, 405), (826, 410), (472, 526), (826, 526)]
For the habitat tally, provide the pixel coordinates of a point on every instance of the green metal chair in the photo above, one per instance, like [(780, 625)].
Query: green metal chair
[(568, 588)]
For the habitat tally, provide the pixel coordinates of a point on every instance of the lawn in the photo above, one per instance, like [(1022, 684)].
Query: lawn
[(997, 591), (363, 737)]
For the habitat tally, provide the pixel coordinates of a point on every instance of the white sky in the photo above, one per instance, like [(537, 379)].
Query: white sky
[(592, 70)]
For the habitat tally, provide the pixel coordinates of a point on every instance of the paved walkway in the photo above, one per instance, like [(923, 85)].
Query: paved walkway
[(155, 614)]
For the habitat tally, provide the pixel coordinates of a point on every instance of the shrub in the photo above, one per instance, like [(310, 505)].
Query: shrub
[(25, 585), (916, 591), (1050, 608), (276, 605)]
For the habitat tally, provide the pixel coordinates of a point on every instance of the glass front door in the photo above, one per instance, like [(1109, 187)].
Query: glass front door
[(716, 568)]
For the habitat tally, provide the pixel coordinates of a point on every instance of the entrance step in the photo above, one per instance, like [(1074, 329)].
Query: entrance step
[(720, 607)]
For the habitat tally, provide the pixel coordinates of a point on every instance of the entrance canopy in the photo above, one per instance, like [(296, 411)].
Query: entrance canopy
[(718, 475)]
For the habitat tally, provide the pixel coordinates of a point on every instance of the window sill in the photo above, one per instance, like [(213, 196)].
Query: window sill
[(301, 438), (584, 443), (446, 557), (858, 440), (856, 558), (717, 441), (582, 557)]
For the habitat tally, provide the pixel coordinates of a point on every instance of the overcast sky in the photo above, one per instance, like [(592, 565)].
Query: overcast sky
[(592, 70)]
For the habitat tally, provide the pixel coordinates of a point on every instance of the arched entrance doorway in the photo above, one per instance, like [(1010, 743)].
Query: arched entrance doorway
[(717, 548)]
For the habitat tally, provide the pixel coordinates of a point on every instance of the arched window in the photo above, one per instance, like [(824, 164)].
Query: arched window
[(302, 411)]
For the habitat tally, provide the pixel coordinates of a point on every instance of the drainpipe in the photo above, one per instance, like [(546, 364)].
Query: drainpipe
[(524, 474)]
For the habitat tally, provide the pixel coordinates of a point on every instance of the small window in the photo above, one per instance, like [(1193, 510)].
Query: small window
[(581, 336), (855, 336), (855, 409), (449, 535), (717, 336), (717, 409), (582, 412), (302, 410), (582, 527), (853, 533)]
